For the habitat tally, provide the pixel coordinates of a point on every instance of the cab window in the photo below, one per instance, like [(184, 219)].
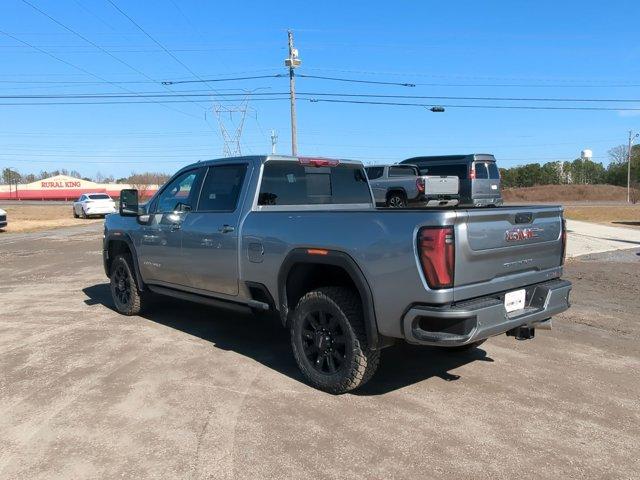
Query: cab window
[(404, 171), (176, 196), (221, 188), (374, 172)]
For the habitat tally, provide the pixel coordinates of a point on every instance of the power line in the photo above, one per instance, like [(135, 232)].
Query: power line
[(87, 71), (91, 43), (166, 50), (127, 102), (511, 107), (336, 79), (201, 93), (175, 82)]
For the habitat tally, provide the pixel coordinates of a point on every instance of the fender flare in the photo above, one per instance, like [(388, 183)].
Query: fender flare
[(117, 236), (338, 259)]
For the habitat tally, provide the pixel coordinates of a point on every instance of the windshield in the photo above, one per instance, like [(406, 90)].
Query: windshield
[(100, 196)]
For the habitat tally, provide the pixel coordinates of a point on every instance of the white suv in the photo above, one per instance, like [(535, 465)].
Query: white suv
[(3, 218), (90, 204)]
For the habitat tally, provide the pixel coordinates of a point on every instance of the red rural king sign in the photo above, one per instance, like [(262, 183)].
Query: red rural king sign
[(62, 184)]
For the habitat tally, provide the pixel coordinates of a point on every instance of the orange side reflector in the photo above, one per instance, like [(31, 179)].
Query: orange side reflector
[(317, 251)]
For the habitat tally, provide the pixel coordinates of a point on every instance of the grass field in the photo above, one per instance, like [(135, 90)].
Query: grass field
[(566, 193), (32, 218), (615, 215)]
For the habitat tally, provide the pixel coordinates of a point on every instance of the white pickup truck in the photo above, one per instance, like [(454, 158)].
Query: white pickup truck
[(397, 186)]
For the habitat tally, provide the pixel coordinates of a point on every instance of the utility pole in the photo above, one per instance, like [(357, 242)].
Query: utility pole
[(274, 141), (293, 62), (631, 138)]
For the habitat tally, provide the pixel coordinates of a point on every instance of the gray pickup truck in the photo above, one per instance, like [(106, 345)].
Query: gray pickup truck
[(397, 186), (301, 239)]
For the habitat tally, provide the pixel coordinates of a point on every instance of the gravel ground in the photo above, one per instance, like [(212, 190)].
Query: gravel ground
[(192, 392)]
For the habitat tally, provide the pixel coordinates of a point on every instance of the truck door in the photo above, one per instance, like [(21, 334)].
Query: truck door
[(160, 247), (210, 231)]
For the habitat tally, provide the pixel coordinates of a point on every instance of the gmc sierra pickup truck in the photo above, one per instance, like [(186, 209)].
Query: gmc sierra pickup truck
[(301, 239)]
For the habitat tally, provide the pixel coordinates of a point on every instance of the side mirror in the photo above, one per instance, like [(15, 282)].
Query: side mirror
[(129, 203)]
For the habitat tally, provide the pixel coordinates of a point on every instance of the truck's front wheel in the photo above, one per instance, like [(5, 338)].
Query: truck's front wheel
[(124, 288), (329, 342)]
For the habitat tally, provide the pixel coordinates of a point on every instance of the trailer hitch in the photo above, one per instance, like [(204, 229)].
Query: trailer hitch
[(522, 333)]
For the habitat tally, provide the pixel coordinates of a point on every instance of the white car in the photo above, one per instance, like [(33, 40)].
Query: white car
[(3, 218), (90, 204)]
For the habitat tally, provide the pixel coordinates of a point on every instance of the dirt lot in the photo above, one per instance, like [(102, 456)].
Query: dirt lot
[(33, 218), (192, 392)]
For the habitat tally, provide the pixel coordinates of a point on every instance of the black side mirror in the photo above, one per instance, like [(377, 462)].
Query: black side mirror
[(129, 203)]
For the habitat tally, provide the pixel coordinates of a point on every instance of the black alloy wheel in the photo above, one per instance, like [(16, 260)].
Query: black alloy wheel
[(126, 296), (323, 342), (122, 285)]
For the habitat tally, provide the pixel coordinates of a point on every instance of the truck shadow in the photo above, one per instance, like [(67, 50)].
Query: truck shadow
[(265, 341)]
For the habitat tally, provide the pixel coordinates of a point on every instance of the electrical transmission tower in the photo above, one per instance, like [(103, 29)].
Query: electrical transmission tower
[(231, 122)]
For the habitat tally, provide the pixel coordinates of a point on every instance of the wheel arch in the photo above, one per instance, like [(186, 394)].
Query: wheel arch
[(302, 272), (116, 243), (391, 190)]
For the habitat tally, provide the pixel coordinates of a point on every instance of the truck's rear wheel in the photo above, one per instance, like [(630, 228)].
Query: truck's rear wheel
[(329, 342), (396, 200), (124, 288)]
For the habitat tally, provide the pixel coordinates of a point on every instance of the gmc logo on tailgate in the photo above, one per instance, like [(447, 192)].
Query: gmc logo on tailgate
[(518, 234)]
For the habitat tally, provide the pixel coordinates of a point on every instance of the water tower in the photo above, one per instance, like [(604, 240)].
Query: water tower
[(585, 154)]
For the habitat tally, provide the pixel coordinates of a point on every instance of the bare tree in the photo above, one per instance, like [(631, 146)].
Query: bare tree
[(144, 181), (618, 154)]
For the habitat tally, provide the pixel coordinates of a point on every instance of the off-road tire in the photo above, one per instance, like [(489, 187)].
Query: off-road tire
[(83, 214), (396, 200), (467, 347), (359, 362), (122, 271), (75, 214)]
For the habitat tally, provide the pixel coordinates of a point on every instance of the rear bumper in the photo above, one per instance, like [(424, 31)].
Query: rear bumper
[(438, 200), (482, 202), (100, 210), (480, 318)]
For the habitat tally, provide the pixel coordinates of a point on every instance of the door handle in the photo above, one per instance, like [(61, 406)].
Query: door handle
[(175, 226), (226, 229)]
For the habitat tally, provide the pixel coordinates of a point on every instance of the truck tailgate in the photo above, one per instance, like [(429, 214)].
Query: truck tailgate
[(503, 248), (441, 185)]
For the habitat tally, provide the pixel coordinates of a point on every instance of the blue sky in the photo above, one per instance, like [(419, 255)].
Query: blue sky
[(471, 49)]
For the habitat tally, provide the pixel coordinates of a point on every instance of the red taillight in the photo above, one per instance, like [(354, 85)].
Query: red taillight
[(436, 248), (472, 173), (564, 241), (420, 184), (318, 162)]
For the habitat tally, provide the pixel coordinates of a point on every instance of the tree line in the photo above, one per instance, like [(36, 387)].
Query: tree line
[(578, 171), (12, 177)]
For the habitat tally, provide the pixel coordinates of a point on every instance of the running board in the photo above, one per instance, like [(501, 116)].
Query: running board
[(214, 302)]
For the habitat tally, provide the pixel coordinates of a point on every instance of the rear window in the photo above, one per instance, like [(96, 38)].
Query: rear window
[(100, 196), (289, 183), (481, 171), (374, 172), (494, 173), (402, 171), (453, 169), (485, 170)]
